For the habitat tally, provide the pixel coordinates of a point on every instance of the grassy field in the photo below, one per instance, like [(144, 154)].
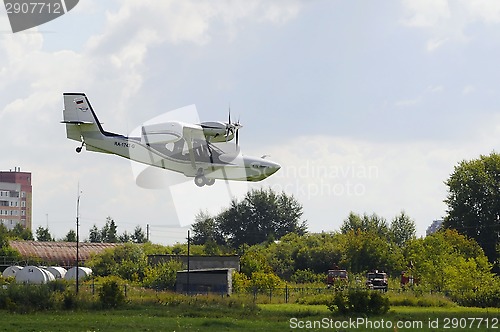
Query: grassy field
[(266, 317)]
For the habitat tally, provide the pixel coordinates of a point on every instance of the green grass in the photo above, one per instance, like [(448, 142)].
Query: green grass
[(267, 317), (147, 310)]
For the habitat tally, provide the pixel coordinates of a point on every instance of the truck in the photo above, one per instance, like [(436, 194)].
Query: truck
[(377, 281), (336, 277)]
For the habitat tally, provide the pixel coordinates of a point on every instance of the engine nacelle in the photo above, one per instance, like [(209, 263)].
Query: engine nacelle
[(216, 131)]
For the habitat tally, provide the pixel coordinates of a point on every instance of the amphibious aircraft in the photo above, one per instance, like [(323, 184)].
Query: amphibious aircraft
[(191, 149)]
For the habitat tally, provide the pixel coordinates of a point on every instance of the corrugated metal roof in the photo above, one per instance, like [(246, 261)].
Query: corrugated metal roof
[(61, 253)]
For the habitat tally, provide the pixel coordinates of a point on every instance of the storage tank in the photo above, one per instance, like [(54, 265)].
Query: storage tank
[(34, 275), (11, 271), (83, 273), (57, 271)]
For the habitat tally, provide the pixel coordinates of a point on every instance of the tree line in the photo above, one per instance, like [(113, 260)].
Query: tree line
[(106, 234)]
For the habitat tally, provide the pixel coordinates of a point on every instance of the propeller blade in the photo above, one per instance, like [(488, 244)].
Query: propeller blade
[(237, 136)]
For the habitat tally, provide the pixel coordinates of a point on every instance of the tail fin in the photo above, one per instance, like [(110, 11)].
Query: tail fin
[(80, 118), (77, 109)]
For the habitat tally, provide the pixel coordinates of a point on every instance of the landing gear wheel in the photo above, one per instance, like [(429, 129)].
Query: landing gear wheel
[(79, 149), (209, 182), (199, 180)]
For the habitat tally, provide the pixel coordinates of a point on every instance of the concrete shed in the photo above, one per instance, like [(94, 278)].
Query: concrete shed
[(205, 281)]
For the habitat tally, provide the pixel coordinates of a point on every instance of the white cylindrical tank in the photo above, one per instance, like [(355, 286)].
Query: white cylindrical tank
[(11, 271), (83, 273), (48, 274), (57, 271), (34, 275)]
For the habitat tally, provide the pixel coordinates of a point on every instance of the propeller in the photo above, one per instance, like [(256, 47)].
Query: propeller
[(233, 127)]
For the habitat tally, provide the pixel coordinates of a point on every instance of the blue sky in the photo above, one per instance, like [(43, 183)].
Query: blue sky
[(367, 105)]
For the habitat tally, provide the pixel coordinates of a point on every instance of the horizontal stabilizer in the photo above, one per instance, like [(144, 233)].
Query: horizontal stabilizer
[(77, 122)]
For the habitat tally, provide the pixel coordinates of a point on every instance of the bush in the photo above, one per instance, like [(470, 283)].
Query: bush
[(241, 283), (162, 276), (482, 298), (26, 298), (266, 281), (307, 276), (358, 301), (69, 300), (419, 299), (111, 294)]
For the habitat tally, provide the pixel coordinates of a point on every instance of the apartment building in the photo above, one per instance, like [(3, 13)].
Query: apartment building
[(15, 198)]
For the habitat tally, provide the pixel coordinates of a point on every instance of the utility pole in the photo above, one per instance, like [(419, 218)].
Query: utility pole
[(77, 234), (189, 240), (147, 232)]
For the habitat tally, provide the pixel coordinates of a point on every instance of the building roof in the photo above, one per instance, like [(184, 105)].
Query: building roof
[(62, 253)]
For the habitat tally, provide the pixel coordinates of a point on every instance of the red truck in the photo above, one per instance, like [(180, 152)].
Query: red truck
[(336, 276)]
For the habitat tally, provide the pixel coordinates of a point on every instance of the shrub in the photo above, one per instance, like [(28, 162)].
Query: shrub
[(307, 276), (419, 299), (161, 276), (358, 301), (266, 281), (482, 298), (26, 298), (111, 294), (241, 283)]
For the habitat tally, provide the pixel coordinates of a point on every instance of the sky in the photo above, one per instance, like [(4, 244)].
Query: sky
[(367, 106)]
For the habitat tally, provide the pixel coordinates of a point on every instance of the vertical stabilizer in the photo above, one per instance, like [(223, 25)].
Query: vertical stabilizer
[(79, 117), (77, 109)]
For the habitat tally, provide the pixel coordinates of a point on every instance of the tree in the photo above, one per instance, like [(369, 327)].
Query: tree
[(261, 216), (402, 229), (473, 202), (139, 236), (206, 229), (70, 237), (5, 250), (448, 261), (108, 231), (127, 261), (95, 235), (125, 237), (367, 251), (43, 234), (373, 223), (21, 233)]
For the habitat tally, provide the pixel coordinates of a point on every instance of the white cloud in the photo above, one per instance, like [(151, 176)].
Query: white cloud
[(447, 20), (332, 176), (110, 68), (487, 11), (407, 102), (426, 13), (436, 88), (435, 43)]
